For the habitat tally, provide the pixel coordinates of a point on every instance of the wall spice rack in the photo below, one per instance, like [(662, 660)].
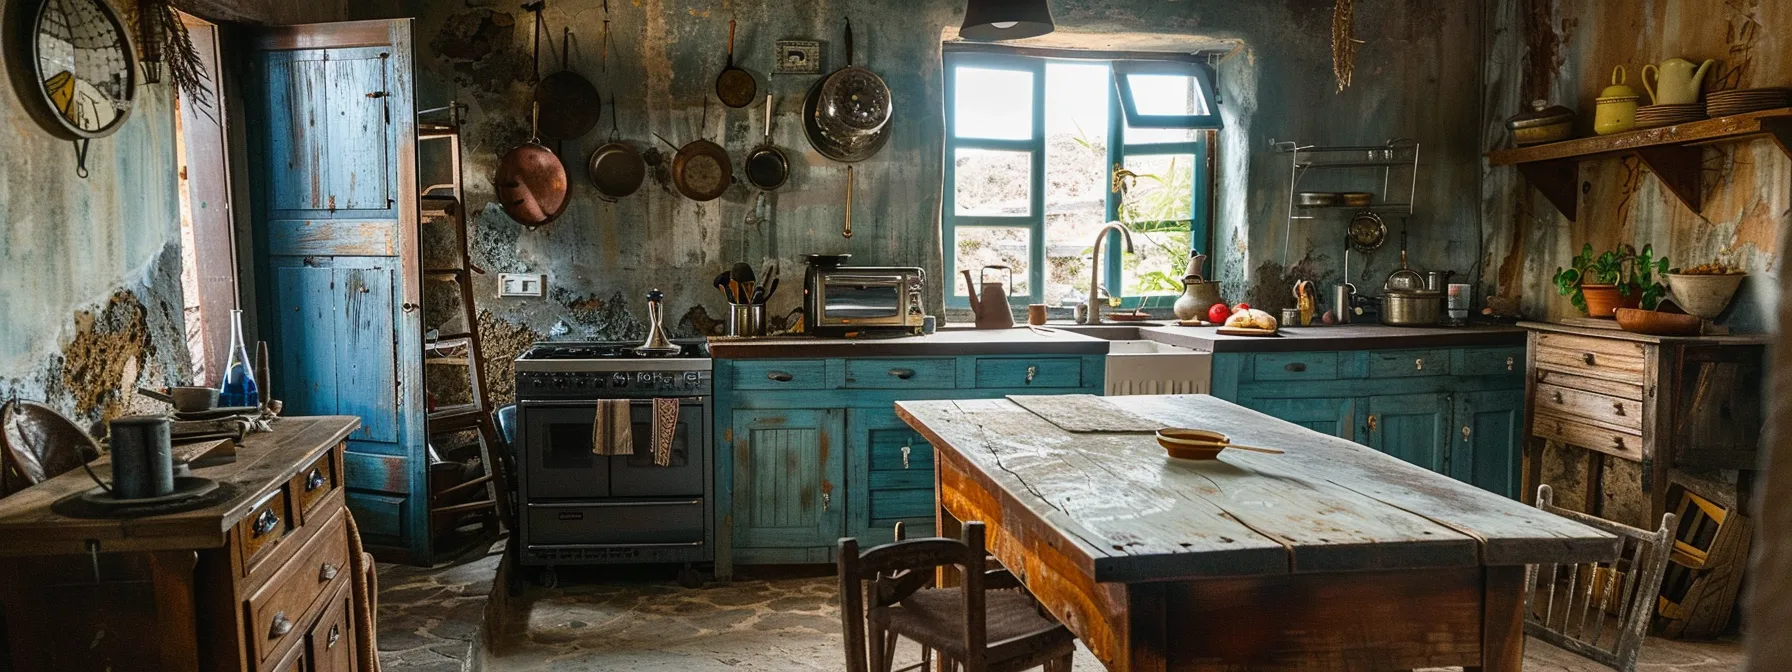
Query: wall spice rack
[(1395, 153)]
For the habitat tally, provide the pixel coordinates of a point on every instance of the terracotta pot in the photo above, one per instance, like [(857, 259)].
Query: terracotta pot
[(1603, 301)]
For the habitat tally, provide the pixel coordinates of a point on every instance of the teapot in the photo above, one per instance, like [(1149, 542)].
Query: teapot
[(991, 308), (1198, 293), (1615, 109), (1677, 82)]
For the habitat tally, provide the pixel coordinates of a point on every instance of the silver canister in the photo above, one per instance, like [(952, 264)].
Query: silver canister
[(1343, 302), (746, 319), (142, 457), (1290, 317)]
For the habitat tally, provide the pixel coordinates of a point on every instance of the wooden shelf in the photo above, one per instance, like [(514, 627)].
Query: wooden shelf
[(1671, 152)]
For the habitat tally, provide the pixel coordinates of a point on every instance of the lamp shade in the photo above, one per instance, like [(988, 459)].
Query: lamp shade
[(995, 20)]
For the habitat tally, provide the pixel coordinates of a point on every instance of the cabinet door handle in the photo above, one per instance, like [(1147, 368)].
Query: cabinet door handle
[(1587, 357), (826, 499), (1465, 432), (265, 523), (327, 572), (905, 451), (1418, 364), (1557, 398), (1618, 407), (903, 374), (335, 634), (315, 480), (1032, 372), (1372, 423), (280, 626), (1508, 363), (1295, 367), (779, 376)]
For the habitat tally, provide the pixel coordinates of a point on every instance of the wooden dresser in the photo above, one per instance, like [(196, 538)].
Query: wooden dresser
[(259, 582), (1672, 406)]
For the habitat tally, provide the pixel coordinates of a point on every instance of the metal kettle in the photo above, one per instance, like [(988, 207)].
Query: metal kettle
[(991, 308)]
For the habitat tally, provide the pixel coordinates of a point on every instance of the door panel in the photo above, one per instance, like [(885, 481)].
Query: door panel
[(1336, 417), (887, 484), (1488, 454), (293, 105), (357, 80), (1412, 427), (366, 377), (786, 466)]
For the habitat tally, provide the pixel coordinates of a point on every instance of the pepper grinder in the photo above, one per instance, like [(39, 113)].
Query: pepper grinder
[(657, 344)]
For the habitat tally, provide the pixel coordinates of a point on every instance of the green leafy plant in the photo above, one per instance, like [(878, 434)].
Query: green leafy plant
[(1632, 272)]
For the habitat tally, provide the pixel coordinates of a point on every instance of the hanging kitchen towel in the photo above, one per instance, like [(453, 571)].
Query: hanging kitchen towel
[(612, 429), (665, 427)]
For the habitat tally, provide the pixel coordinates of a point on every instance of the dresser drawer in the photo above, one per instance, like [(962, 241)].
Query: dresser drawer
[(1597, 408), (316, 481), (900, 374), (780, 374), (1624, 444), (1409, 363), (276, 615), (1030, 372), (1488, 362), (330, 644), (1610, 359), (1622, 389), (1295, 366), (267, 523)]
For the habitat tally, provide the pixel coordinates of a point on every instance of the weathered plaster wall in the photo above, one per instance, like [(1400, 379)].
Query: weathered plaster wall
[(1417, 75), (1565, 52), (89, 268)]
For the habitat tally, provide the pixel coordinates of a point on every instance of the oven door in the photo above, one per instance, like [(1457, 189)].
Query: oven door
[(862, 300), (558, 462)]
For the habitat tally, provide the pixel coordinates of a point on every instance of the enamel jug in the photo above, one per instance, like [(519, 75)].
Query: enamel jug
[(1677, 81), (1198, 293), (1615, 109), (990, 306)]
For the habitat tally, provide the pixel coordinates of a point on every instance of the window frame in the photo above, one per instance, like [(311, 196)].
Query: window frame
[(1200, 225), (1203, 78)]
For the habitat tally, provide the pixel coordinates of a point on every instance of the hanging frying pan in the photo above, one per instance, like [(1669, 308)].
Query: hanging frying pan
[(735, 87), (767, 167), (616, 168), (531, 184), (570, 105), (701, 169)]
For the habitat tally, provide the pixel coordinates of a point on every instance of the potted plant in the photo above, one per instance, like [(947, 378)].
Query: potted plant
[(1616, 278)]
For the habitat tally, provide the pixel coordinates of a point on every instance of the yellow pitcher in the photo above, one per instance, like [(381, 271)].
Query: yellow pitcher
[(1677, 82)]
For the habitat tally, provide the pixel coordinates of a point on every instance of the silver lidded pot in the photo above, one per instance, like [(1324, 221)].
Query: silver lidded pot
[(1406, 302)]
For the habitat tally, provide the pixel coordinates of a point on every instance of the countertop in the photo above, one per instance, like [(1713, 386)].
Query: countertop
[(1620, 334), (1337, 337), (945, 342)]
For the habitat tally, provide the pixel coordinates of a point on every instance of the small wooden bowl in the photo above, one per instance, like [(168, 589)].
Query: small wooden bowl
[(1192, 444), (1657, 323)]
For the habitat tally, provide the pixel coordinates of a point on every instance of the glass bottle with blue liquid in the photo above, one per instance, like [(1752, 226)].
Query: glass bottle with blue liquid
[(238, 388)]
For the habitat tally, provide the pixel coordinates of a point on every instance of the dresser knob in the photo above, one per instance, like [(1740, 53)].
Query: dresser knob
[(1558, 397), (281, 625), (327, 572), (265, 523), (1619, 440), (315, 480), (1587, 357), (335, 635), (1618, 407)]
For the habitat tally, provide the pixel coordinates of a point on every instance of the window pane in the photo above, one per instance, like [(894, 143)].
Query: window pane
[(1076, 174), (1166, 95), (992, 183), (1158, 207), (994, 104), (980, 246), (1149, 136)]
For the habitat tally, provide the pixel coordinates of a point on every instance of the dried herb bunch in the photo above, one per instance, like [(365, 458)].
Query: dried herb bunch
[(1344, 42), (163, 39)]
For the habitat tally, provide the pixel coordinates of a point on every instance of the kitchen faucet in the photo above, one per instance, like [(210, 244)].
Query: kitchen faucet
[(1095, 273)]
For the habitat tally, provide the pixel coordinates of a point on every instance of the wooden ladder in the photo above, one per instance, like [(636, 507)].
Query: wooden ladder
[(442, 204)]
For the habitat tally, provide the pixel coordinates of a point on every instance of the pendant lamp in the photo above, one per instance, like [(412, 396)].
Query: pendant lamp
[(996, 20)]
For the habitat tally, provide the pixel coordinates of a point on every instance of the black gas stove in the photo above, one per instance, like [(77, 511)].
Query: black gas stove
[(596, 370)]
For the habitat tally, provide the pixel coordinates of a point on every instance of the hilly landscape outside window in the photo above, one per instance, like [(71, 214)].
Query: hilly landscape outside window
[(1040, 220)]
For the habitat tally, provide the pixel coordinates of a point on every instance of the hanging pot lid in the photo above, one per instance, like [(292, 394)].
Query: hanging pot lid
[(852, 102), (842, 149)]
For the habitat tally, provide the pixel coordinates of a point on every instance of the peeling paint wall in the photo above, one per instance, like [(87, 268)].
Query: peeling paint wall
[(1564, 52), (1417, 75), (89, 268)]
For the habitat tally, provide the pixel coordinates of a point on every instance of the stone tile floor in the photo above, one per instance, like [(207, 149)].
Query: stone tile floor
[(639, 619)]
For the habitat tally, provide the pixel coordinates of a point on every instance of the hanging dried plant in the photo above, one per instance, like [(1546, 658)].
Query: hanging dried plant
[(1344, 42), (162, 40)]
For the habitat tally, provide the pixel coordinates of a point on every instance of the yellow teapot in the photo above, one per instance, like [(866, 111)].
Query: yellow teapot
[(1677, 81), (1615, 108)]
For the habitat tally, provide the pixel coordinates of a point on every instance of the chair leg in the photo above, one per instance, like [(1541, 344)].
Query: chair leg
[(889, 660), (1060, 664), (878, 641), (926, 659)]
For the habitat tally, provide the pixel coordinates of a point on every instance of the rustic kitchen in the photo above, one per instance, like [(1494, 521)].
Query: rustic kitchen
[(1144, 335)]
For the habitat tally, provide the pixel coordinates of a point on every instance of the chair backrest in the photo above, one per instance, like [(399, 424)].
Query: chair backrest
[(896, 570), (38, 444), (1569, 605)]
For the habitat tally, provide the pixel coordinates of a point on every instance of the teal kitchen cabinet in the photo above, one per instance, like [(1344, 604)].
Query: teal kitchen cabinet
[(1457, 411), (812, 451)]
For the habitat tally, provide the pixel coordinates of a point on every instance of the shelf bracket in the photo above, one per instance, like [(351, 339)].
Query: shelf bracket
[(1559, 181), (1781, 132), (1678, 168)]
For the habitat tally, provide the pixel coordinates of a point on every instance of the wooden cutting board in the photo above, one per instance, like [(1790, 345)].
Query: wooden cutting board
[(1085, 413)]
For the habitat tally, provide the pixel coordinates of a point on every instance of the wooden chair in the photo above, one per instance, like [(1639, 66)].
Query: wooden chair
[(38, 444), (1624, 590), (989, 624)]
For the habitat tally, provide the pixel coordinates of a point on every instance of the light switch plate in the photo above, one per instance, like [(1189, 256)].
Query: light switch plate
[(533, 285)]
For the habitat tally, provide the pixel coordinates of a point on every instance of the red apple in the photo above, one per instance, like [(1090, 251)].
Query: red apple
[(1217, 313)]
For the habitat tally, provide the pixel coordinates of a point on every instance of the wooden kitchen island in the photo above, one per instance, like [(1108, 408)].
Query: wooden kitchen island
[(1329, 557)]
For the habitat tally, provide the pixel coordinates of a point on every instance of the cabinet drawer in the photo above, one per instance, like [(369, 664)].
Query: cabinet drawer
[(1295, 366), (277, 613), (1610, 388), (1409, 363), (316, 481), (1597, 408), (267, 523), (1609, 359), (891, 457), (897, 374), (330, 644), (1627, 445), (781, 374), (1489, 362), (1039, 372)]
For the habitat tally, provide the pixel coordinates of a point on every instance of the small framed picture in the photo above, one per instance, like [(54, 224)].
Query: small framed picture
[(797, 57)]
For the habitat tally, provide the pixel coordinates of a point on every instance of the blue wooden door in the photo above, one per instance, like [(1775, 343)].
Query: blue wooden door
[(335, 235), (890, 478), (787, 473), (1412, 427), (1489, 431), (1333, 416)]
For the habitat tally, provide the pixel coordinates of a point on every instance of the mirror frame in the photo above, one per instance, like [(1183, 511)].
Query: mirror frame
[(22, 22)]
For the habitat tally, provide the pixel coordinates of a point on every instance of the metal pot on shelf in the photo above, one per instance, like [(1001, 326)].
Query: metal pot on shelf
[(1406, 302)]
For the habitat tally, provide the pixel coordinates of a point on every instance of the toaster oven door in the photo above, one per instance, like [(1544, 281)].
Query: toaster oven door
[(866, 300)]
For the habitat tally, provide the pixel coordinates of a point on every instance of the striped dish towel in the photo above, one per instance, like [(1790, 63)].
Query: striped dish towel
[(612, 431), (665, 428)]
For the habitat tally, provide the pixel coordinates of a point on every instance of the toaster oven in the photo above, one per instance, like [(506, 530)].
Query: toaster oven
[(842, 299)]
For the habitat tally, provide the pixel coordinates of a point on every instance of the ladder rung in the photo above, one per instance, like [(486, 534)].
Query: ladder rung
[(436, 131), (438, 206), (444, 274), (455, 418), (469, 506), (442, 343), (456, 361), (443, 338)]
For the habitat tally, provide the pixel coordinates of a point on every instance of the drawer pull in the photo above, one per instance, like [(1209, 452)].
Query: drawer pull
[(779, 376), (1032, 372), (1618, 440), (327, 572), (1295, 367), (1618, 407), (905, 451), (315, 480), (1587, 357), (1465, 433), (826, 499), (903, 374), (280, 626), (1558, 397), (1418, 364), (265, 523), (335, 635), (1508, 363)]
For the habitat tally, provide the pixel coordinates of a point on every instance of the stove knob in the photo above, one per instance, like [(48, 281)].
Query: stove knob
[(580, 382), (644, 377), (619, 380), (560, 382)]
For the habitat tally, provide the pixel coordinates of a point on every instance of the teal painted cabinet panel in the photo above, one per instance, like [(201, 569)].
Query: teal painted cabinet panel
[(1487, 423), (891, 477), (787, 473), (1336, 417), (1412, 427)]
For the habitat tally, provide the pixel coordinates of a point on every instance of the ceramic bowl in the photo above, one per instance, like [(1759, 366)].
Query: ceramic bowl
[(1658, 323), (1192, 444), (1704, 295)]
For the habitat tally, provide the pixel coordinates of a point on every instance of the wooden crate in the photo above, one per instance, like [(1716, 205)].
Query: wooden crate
[(1705, 569)]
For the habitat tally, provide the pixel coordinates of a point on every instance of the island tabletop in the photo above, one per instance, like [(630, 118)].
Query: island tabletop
[(1329, 556)]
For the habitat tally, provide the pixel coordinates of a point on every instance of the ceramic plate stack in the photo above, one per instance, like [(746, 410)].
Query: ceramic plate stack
[(1722, 103), (1651, 116)]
